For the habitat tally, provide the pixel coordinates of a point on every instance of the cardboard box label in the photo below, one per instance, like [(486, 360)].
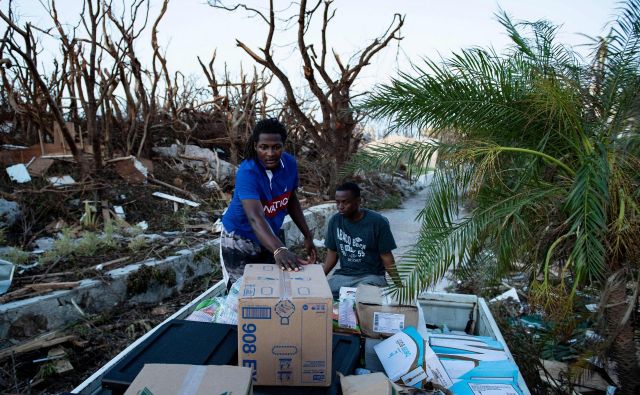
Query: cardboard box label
[(493, 389), (388, 322), (379, 314)]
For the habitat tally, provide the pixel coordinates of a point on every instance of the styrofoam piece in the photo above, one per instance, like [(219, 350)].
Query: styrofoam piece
[(61, 181), (19, 173)]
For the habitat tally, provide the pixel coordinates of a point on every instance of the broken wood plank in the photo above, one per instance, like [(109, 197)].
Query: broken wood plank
[(40, 166), (43, 341), (53, 286), (119, 159), (41, 276), (176, 199), (175, 188)]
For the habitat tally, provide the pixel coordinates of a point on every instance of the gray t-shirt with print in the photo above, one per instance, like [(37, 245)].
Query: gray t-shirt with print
[(359, 244)]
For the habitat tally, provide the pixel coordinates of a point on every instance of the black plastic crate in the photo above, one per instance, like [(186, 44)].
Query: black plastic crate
[(345, 359), (178, 342)]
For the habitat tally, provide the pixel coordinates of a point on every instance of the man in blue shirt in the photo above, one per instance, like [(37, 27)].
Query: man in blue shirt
[(265, 193), (363, 242)]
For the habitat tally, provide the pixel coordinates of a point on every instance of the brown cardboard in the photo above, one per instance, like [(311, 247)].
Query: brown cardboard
[(371, 304), (170, 379), (284, 325), (368, 384)]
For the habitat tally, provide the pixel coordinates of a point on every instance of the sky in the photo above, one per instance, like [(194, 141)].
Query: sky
[(433, 29)]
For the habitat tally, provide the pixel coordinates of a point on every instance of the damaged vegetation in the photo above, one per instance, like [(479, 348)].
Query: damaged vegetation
[(108, 160)]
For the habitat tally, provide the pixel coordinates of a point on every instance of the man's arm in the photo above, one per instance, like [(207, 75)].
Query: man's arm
[(253, 210), (295, 211), (330, 261), (390, 266)]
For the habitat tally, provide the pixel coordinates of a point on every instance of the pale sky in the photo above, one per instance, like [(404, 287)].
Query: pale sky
[(433, 28)]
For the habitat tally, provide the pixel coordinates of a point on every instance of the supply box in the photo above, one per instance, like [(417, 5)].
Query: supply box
[(381, 315), (168, 379), (285, 325)]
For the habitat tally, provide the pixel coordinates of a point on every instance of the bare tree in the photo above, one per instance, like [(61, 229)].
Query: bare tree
[(335, 130), (237, 103)]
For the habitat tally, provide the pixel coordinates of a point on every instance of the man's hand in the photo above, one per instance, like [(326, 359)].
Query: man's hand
[(287, 260), (312, 254)]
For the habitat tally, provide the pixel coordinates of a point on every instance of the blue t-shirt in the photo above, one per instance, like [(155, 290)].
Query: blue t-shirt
[(253, 181), (359, 244)]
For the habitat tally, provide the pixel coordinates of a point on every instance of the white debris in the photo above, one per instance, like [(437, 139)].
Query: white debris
[(176, 199), (211, 185), (13, 147), (140, 167), (591, 307), (143, 225), (19, 173), (318, 243), (61, 181), (119, 210), (511, 293)]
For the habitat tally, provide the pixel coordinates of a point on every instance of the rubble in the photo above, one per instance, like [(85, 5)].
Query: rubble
[(61, 181), (197, 156), (9, 213), (6, 275)]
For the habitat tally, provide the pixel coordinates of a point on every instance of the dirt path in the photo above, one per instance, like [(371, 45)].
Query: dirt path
[(406, 227)]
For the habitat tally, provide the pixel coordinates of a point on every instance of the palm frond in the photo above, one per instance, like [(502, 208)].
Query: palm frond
[(586, 205)]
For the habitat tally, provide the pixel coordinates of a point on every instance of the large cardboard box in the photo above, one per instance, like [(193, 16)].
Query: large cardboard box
[(285, 325), (381, 315), (170, 379)]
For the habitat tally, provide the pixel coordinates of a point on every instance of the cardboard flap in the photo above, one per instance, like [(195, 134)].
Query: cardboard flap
[(268, 281), (369, 294)]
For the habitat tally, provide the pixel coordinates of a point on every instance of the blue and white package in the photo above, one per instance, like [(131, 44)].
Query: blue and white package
[(482, 387), (475, 348), (402, 356)]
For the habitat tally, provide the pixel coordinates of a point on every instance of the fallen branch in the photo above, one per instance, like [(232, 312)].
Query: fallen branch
[(113, 262)]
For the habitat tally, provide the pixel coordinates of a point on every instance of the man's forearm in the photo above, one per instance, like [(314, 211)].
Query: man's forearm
[(390, 266), (330, 261)]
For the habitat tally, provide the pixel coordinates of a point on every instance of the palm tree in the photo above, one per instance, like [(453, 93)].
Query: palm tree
[(543, 146)]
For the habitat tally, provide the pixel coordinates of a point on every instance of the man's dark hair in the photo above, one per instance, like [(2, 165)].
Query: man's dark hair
[(350, 186), (265, 126)]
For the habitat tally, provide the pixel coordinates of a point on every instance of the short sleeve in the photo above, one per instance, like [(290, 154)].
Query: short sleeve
[(246, 184), (386, 242), (330, 239)]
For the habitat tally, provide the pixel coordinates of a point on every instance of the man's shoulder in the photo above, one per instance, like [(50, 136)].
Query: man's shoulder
[(247, 165), (288, 159), (375, 216), (334, 219)]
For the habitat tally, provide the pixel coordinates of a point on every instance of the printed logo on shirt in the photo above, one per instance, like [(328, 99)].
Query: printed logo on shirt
[(352, 248), (274, 206)]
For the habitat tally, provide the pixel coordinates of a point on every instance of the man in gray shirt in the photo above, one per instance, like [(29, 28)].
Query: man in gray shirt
[(363, 242)]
